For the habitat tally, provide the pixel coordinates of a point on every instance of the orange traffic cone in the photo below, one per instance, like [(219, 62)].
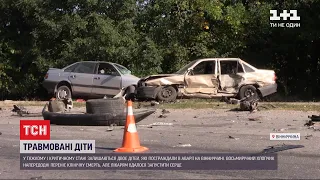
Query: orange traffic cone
[(131, 142)]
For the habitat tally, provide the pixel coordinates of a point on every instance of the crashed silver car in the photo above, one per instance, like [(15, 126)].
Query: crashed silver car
[(209, 78), (90, 79)]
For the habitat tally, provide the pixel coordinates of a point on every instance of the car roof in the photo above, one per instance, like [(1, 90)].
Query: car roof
[(100, 62), (96, 62)]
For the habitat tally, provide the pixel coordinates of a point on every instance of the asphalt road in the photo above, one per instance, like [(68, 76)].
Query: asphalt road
[(206, 130)]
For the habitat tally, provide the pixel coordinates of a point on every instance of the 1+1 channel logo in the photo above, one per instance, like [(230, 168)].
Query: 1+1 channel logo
[(281, 20)]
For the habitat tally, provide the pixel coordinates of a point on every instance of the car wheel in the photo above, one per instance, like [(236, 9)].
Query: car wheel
[(63, 92), (249, 92), (167, 93)]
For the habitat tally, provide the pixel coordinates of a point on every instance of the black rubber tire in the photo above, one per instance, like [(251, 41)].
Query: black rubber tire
[(173, 94), (56, 106), (93, 119), (102, 106), (68, 91), (130, 93), (315, 118), (247, 89)]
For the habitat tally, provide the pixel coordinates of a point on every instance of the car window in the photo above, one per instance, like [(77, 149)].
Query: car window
[(229, 67), (205, 67), (71, 68), (247, 68), (106, 69), (122, 69), (240, 68), (85, 67), (186, 67)]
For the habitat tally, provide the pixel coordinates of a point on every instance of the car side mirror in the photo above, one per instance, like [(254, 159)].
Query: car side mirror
[(189, 71)]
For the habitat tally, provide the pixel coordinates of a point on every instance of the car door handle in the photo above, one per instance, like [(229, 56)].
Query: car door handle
[(73, 76), (97, 78)]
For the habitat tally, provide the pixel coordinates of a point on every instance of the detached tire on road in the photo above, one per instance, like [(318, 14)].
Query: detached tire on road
[(106, 119), (102, 106)]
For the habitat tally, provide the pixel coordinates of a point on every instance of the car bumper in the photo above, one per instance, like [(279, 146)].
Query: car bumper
[(267, 90), (147, 92), (50, 86)]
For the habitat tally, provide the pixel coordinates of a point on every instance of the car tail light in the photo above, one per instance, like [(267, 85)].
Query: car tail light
[(46, 76), (274, 77)]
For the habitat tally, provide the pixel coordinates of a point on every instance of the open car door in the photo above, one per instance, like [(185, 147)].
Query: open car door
[(202, 78), (230, 75)]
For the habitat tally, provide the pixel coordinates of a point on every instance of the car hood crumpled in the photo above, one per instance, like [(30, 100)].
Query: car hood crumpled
[(164, 79)]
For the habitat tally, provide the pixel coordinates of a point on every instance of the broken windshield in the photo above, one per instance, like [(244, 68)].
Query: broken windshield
[(186, 67)]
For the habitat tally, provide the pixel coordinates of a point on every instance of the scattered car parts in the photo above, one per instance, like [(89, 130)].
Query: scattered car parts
[(314, 118), (277, 148)]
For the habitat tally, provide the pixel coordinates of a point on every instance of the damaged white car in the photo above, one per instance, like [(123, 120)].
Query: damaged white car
[(209, 78)]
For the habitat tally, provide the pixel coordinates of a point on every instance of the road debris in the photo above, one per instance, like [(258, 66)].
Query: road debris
[(20, 110), (309, 123), (155, 124), (195, 116), (162, 116), (254, 119), (80, 100), (282, 129), (161, 124), (314, 117), (308, 136), (183, 145), (0, 133), (277, 148), (231, 137), (153, 103), (164, 111), (234, 101), (139, 105), (36, 178), (111, 127)]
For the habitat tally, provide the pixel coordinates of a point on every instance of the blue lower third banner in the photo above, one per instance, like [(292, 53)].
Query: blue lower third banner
[(148, 161)]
